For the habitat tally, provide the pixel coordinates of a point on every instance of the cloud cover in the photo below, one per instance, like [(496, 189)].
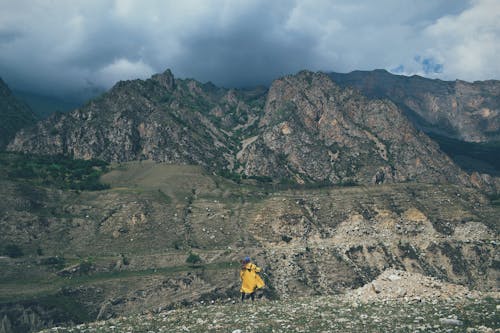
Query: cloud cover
[(59, 46)]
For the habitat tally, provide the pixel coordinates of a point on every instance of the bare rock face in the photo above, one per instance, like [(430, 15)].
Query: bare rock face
[(161, 119), (458, 109), (14, 115), (314, 131), (310, 130)]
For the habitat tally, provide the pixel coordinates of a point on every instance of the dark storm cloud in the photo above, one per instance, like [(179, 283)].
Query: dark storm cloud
[(247, 52), (65, 46)]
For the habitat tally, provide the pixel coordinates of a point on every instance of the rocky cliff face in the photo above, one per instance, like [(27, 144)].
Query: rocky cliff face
[(314, 131), (310, 130), (14, 115), (162, 119), (458, 109)]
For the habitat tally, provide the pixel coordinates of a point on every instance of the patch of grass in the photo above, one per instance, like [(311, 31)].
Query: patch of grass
[(55, 170), (28, 288)]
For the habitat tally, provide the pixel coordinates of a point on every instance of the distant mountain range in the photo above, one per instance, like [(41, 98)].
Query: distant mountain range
[(43, 105), (361, 127), (458, 109)]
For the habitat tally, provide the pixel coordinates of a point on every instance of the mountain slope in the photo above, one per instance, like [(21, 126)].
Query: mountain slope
[(162, 119), (14, 115), (134, 238), (461, 110), (309, 131), (314, 130)]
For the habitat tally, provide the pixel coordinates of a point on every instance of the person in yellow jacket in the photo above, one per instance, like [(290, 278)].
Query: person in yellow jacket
[(250, 279)]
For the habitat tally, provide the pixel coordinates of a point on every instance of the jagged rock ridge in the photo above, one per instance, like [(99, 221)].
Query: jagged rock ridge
[(162, 119), (310, 130), (313, 130)]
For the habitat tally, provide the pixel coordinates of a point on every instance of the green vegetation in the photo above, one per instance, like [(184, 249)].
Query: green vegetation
[(29, 287), (13, 251), (56, 262), (495, 199), (58, 171), (86, 266), (193, 259)]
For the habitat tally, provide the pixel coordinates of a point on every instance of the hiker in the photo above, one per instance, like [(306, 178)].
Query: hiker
[(250, 279)]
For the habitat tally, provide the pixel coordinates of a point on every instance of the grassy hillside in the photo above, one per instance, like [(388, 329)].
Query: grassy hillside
[(59, 171), (96, 254)]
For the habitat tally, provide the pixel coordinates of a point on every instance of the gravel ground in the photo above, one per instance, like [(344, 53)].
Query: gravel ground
[(312, 314)]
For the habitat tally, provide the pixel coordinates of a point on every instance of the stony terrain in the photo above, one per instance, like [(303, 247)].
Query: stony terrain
[(314, 131), (456, 109), (430, 306), (162, 119), (119, 251)]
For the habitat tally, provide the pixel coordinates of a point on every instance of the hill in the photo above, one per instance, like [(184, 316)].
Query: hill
[(456, 313), (86, 255), (104, 208)]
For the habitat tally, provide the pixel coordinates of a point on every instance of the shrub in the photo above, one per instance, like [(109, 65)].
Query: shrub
[(13, 251), (86, 266), (193, 259), (55, 262)]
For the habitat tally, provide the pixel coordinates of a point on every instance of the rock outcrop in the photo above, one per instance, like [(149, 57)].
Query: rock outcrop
[(312, 130), (161, 119)]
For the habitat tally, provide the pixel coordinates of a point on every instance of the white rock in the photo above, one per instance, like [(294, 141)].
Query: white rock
[(393, 277), (450, 321)]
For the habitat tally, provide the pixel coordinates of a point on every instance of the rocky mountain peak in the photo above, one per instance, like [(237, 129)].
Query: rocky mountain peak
[(310, 130), (314, 131), (166, 79)]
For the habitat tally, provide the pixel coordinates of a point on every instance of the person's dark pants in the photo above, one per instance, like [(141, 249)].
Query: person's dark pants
[(252, 296)]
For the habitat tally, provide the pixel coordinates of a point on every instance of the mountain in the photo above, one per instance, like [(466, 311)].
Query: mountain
[(271, 176), (162, 119), (458, 109), (14, 115), (306, 129), (312, 130)]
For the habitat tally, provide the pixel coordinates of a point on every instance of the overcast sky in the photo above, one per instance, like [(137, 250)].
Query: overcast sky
[(63, 46)]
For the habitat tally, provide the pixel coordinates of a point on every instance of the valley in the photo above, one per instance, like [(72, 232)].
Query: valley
[(90, 255)]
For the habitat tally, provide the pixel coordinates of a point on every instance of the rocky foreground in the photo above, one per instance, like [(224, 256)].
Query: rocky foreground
[(396, 301)]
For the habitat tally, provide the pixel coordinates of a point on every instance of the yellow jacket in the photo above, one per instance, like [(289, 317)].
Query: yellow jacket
[(250, 279)]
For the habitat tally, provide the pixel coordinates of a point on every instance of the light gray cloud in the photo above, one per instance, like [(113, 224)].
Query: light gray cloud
[(64, 46)]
